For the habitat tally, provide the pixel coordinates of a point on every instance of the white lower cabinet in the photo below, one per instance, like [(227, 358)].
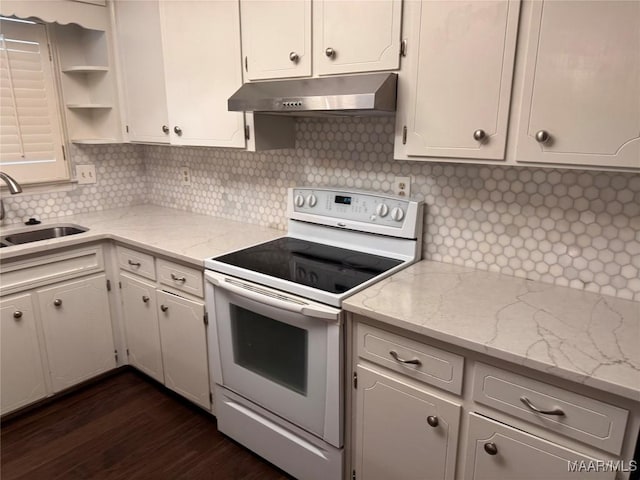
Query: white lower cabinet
[(77, 329), (402, 431), (22, 374), (496, 451)]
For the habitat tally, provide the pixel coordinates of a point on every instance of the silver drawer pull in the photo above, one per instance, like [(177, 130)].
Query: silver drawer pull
[(555, 411), (395, 356), (145, 299), (164, 308), (178, 279), (133, 264)]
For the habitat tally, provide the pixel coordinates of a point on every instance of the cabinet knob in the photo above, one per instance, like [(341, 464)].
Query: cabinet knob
[(178, 130), (164, 308), (57, 302), (480, 135), (432, 421), (293, 56), (165, 129), (17, 314), (330, 52), (491, 448), (542, 136), (145, 299)]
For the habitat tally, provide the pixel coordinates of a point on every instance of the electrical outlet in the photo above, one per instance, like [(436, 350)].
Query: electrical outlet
[(402, 186), (185, 176), (86, 174)]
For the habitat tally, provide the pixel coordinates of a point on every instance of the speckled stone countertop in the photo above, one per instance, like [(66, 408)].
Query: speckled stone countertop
[(180, 235), (584, 337)]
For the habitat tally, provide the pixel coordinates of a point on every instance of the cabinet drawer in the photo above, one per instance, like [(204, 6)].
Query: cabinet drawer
[(585, 419), (428, 364), (46, 269), (136, 262), (187, 279)]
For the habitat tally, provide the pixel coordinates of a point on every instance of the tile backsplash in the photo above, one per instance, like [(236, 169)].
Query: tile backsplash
[(567, 227)]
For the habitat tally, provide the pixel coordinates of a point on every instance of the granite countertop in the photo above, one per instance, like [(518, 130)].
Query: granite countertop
[(584, 337), (178, 234)]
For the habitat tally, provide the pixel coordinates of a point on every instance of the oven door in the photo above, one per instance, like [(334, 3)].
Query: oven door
[(280, 351)]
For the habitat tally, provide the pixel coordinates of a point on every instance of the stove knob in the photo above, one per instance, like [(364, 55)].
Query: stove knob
[(397, 214), (312, 200), (382, 209), (299, 201)]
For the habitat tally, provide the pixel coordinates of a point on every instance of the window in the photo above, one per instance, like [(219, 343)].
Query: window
[(30, 132)]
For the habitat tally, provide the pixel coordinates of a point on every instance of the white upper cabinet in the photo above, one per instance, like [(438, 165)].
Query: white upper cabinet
[(454, 94), (356, 35), (181, 62), (581, 100), (276, 38)]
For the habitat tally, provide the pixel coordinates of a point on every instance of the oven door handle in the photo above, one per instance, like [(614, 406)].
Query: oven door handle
[(273, 298)]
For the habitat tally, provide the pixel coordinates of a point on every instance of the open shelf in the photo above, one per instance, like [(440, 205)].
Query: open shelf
[(85, 69)]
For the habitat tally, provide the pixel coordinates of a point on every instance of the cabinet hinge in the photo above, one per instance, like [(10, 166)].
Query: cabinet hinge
[(355, 380), (126, 127), (353, 475), (119, 284), (246, 64), (115, 354), (404, 135), (403, 48), (64, 153), (127, 352), (210, 397), (108, 285), (247, 132), (206, 318), (49, 51)]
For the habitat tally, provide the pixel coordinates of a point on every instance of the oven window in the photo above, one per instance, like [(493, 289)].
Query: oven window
[(274, 350)]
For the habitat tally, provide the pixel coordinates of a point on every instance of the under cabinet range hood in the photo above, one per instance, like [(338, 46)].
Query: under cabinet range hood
[(351, 95)]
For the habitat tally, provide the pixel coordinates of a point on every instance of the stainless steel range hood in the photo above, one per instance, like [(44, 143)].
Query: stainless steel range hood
[(352, 95)]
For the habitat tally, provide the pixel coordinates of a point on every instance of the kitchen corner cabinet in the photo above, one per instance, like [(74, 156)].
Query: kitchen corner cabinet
[(165, 322), (581, 97), (178, 79), (454, 94), (22, 373)]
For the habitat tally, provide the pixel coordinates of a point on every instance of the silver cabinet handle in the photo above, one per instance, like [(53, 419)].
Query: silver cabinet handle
[(542, 136), (165, 129), (178, 130), (17, 314), (133, 264), (293, 56), (57, 302), (178, 279), (164, 308), (432, 421), (556, 411), (145, 299), (395, 356), (491, 448), (480, 135), (330, 52)]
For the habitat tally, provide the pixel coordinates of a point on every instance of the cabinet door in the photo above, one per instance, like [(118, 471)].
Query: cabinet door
[(402, 431), (582, 84), (140, 46), (141, 325), (77, 330), (456, 100), (496, 451), (357, 35), (22, 375), (184, 347), (201, 44), (276, 38)]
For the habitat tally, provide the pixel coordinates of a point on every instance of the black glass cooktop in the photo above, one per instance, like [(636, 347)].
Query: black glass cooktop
[(331, 269)]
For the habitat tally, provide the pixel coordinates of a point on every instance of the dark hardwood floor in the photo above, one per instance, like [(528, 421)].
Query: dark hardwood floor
[(124, 427)]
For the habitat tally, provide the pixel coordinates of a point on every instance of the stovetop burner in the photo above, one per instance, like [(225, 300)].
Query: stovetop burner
[(331, 269)]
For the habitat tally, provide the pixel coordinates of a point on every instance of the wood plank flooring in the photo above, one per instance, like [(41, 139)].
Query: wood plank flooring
[(124, 427)]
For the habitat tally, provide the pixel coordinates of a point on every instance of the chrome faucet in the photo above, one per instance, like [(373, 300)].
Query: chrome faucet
[(14, 187)]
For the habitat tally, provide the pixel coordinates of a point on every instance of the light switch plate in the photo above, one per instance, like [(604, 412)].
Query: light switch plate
[(86, 174)]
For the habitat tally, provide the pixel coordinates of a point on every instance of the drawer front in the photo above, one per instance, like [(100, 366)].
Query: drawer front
[(585, 419), (183, 278), (427, 364), (47, 269), (136, 262)]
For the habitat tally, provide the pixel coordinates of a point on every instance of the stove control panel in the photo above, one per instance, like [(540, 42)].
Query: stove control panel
[(362, 207)]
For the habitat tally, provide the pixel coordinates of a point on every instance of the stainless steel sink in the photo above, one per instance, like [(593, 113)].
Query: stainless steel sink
[(42, 233)]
